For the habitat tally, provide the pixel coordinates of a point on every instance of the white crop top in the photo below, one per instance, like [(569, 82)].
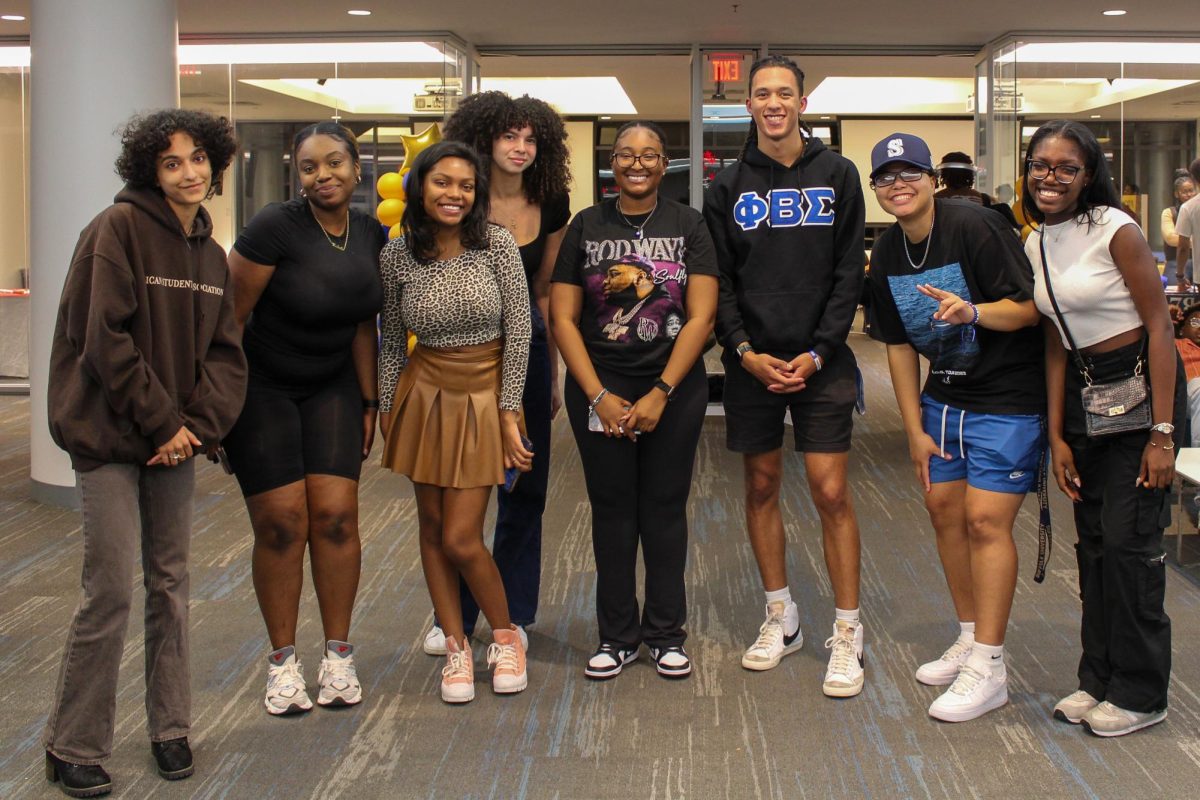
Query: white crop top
[(1089, 288)]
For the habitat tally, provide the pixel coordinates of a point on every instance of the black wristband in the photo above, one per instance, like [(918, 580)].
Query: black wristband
[(370, 403)]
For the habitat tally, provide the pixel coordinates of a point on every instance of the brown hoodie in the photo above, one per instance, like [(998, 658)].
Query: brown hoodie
[(146, 340)]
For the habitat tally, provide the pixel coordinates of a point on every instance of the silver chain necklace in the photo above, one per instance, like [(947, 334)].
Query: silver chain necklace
[(928, 241), (639, 228)]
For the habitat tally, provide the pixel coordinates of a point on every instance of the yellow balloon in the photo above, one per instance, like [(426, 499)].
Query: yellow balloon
[(412, 342), (390, 186), (395, 231), (415, 144), (389, 212)]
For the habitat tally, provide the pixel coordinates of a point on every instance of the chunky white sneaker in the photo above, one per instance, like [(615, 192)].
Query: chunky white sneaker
[(972, 695), (337, 678), (458, 676), (774, 642), (1105, 719), (1072, 707), (944, 670), (506, 656), (285, 685), (435, 642), (844, 675)]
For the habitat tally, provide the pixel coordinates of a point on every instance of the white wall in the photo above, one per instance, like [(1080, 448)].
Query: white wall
[(942, 136), (582, 145)]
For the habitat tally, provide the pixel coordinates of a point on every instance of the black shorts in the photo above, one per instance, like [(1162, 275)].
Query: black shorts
[(287, 432), (822, 412)]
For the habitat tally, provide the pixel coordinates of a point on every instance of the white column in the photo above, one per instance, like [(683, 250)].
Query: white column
[(92, 66)]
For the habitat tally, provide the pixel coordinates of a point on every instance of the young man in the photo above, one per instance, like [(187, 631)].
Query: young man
[(787, 222), (950, 283), (1187, 225)]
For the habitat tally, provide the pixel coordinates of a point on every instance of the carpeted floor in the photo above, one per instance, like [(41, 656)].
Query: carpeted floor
[(724, 733)]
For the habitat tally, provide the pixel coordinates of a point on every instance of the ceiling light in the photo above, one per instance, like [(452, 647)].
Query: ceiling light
[(1116, 12), (359, 12), (12, 18), (315, 53), (1103, 52), (1095, 116)]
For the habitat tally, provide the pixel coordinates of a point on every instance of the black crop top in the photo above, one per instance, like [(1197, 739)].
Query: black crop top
[(301, 329), (556, 212)]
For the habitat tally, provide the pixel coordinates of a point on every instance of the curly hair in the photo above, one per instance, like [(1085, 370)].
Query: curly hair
[(145, 136), (482, 117), (419, 228)]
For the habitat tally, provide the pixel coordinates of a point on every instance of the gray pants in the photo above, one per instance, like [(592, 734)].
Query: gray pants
[(118, 502)]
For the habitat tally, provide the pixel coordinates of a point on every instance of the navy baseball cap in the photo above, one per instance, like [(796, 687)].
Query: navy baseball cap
[(902, 147)]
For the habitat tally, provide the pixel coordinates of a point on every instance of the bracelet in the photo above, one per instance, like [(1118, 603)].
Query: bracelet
[(1170, 445), (596, 400), (976, 310), (367, 403), (816, 359)]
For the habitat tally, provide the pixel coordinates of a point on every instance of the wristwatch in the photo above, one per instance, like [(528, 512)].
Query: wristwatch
[(1163, 427), (666, 388), (742, 349)]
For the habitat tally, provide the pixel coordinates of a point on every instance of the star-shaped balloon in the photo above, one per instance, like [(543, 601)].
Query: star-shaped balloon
[(415, 144)]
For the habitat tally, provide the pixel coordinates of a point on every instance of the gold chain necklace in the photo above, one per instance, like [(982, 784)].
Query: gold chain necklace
[(332, 243)]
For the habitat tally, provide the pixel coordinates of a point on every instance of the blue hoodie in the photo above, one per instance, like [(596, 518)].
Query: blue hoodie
[(789, 244)]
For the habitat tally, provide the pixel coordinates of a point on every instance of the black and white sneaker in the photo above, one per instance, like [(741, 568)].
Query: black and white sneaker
[(671, 662), (609, 660)]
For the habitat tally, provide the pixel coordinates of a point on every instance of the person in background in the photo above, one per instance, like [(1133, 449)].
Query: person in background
[(956, 176), (452, 409), (146, 372), (1187, 227), (522, 144), (1184, 190), (308, 291), (1187, 342), (1091, 258)]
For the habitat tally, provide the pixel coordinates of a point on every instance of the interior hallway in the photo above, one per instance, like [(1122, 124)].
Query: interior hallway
[(723, 733)]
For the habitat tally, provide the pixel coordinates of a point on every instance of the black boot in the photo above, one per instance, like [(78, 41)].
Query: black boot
[(174, 758), (78, 780)]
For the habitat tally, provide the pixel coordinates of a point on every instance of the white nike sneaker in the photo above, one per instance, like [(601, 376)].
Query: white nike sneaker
[(285, 685), (844, 675), (972, 694), (435, 642), (944, 670), (774, 642), (337, 677)]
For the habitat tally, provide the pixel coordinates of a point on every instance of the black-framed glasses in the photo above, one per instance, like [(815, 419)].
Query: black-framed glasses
[(1063, 173), (906, 175), (647, 160)]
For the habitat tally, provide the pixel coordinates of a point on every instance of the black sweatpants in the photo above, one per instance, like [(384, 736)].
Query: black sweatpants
[(1126, 633), (639, 492)]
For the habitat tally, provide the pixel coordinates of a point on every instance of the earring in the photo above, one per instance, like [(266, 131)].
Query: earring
[(303, 193), (358, 178)]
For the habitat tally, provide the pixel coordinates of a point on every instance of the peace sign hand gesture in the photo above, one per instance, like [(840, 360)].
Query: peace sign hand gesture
[(951, 307)]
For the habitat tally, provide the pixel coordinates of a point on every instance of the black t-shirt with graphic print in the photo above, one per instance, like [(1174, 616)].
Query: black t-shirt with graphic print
[(973, 254), (634, 288)]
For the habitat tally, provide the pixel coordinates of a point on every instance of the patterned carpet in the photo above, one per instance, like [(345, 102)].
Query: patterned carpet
[(724, 733)]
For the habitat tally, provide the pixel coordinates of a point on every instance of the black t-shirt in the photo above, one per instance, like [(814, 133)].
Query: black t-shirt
[(301, 329), (634, 289), (974, 255), (556, 211)]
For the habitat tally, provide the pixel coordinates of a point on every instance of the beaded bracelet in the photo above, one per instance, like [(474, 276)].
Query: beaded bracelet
[(975, 309)]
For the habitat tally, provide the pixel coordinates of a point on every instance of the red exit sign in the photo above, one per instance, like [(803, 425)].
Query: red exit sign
[(726, 69)]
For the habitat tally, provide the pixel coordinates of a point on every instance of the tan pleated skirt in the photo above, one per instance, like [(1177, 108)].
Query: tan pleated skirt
[(445, 426)]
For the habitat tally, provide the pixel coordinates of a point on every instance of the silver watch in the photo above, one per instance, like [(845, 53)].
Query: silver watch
[(1164, 427)]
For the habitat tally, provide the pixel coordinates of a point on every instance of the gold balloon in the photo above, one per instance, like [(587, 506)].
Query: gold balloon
[(389, 212), (415, 144), (395, 231), (390, 186)]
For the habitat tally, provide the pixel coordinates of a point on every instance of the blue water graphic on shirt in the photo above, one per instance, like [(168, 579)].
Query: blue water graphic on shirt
[(951, 349)]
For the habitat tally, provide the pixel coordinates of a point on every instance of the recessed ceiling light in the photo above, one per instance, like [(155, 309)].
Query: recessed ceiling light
[(12, 18), (362, 12), (825, 116), (606, 116), (1095, 116), (1116, 12)]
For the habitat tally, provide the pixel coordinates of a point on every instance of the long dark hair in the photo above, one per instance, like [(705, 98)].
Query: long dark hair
[(1100, 190), (420, 231), (773, 60)]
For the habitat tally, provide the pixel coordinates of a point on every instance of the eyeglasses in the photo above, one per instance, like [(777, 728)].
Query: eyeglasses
[(647, 160), (906, 175), (1063, 173)]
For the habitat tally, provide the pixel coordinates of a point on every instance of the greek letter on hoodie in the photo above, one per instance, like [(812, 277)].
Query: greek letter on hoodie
[(789, 244), (146, 340)]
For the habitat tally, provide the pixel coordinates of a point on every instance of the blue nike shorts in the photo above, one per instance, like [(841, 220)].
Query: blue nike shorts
[(994, 452)]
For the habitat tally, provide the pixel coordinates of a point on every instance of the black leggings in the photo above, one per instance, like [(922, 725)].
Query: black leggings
[(287, 432), (639, 493)]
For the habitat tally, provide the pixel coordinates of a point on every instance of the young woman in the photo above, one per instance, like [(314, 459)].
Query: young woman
[(1185, 189), (522, 144), (146, 371), (952, 284), (632, 303), (452, 409), (1091, 260), (308, 290)]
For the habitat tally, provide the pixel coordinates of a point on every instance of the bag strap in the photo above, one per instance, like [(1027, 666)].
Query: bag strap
[(1041, 232)]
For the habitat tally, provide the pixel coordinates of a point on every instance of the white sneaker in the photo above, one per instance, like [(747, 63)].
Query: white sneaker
[(1109, 720), (972, 695), (1074, 706), (844, 676), (285, 686), (337, 677), (435, 642), (944, 670), (773, 642)]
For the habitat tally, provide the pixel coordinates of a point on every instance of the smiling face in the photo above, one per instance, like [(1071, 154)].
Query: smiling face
[(327, 171), (638, 180), (1059, 202), (905, 199), (514, 150), (1185, 191), (449, 191), (184, 173), (775, 103)]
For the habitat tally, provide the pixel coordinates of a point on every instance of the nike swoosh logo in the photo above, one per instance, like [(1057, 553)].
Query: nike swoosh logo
[(787, 640)]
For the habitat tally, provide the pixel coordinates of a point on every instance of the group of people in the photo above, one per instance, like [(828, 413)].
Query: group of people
[(276, 366)]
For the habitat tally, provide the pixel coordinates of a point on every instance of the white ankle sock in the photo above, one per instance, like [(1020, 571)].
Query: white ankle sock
[(846, 615), (966, 631), (986, 657), (783, 595)]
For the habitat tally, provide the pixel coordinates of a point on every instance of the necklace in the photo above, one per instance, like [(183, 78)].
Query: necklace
[(619, 325), (639, 228), (332, 242), (928, 241)]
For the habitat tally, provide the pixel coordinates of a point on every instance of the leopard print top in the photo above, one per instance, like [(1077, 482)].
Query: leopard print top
[(475, 297)]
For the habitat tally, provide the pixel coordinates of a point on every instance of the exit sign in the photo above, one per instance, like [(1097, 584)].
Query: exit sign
[(726, 69)]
